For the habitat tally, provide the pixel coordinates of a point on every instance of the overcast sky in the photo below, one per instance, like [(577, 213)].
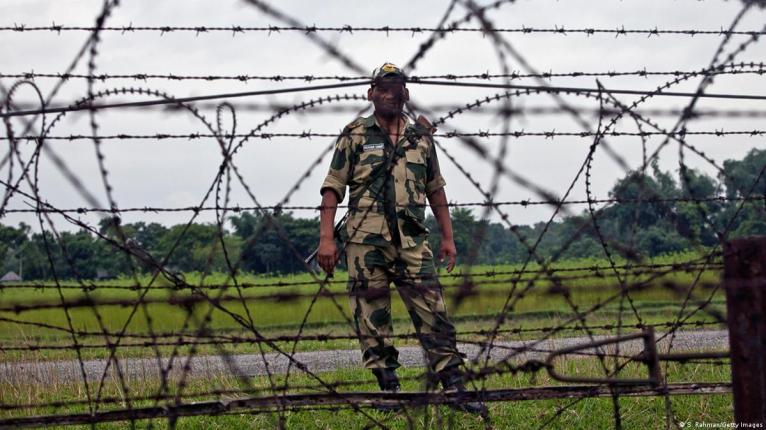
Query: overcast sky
[(176, 173)]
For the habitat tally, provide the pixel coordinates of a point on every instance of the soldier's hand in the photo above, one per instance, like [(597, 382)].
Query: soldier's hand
[(327, 255), (449, 251)]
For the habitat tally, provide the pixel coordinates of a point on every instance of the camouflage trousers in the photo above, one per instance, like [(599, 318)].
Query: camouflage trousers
[(371, 270)]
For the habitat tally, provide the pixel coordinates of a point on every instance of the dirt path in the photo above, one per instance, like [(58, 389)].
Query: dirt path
[(316, 361)]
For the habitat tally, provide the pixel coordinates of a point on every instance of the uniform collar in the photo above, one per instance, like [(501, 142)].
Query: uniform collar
[(370, 121)]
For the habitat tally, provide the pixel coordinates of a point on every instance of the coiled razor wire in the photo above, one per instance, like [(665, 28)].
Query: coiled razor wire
[(201, 302)]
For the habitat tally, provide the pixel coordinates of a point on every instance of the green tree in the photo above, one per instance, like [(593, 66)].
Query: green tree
[(697, 219), (12, 241), (183, 245), (742, 176), (274, 246), (638, 206), (744, 179)]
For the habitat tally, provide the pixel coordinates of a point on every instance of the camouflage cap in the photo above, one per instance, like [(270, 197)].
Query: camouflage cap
[(387, 70)]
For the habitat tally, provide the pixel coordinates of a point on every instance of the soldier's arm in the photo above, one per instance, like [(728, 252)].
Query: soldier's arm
[(437, 197), (438, 201), (333, 190), (327, 254)]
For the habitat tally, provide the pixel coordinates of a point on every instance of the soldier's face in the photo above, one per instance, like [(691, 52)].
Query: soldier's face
[(388, 96)]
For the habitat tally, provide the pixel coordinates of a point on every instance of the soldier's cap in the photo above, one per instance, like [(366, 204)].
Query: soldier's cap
[(388, 70)]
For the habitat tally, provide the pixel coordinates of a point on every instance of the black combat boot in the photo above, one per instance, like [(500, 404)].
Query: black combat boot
[(388, 382), (452, 381)]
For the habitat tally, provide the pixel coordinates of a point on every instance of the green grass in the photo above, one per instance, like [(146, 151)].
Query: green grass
[(539, 307), (329, 316), (587, 413)]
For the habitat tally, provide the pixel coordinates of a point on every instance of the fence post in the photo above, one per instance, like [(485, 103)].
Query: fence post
[(745, 284)]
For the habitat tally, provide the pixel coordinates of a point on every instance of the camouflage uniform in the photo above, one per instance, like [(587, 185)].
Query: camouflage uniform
[(388, 240)]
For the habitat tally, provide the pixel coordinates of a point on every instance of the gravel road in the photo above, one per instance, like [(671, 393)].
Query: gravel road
[(46, 372)]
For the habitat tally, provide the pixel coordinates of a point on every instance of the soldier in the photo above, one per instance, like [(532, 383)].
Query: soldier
[(389, 164)]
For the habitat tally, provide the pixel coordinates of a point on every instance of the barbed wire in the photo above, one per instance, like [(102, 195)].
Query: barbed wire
[(195, 395), (204, 303), (237, 208), (184, 301), (520, 111), (730, 69), (593, 272), (552, 134), (276, 29), (520, 89), (310, 402), (223, 332)]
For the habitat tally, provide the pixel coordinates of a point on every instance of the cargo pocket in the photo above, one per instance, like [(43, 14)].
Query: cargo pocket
[(416, 180), (365, 220), (416, 165), (412, 223)]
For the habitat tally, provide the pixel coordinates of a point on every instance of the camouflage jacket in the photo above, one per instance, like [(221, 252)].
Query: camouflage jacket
[(378, 202)]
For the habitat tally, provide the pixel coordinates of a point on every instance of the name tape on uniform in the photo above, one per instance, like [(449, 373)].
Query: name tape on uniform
[(372, 147)]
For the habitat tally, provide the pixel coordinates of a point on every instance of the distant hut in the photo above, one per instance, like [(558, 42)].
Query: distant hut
[(11, 277), (103, 275)]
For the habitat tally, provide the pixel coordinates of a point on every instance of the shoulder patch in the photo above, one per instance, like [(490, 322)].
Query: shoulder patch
[(355, 123), (421, 129), (418, 131)]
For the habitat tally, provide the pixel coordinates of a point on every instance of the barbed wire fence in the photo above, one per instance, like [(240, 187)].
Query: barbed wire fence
[(289, 380)]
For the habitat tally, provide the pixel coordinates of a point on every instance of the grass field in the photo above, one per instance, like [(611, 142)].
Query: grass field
[(659, 300), (585, 413)]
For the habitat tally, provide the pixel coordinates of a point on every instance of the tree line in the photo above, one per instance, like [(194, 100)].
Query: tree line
[(676, 213)]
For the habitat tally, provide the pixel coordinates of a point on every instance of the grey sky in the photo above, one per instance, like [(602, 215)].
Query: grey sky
[(177, 173)]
